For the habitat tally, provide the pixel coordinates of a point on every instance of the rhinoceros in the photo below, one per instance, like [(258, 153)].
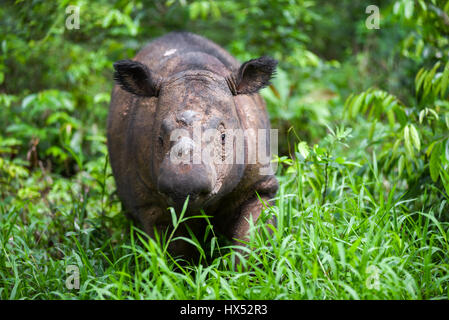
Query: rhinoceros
[(179, 85)]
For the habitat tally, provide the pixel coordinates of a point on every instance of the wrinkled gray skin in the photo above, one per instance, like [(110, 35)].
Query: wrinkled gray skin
[(183, 78)]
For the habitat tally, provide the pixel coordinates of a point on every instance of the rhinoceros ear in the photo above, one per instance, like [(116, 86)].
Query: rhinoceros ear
[(253, 75), (135, 78)]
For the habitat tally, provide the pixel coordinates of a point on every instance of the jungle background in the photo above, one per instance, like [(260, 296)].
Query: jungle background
[(363, 119)]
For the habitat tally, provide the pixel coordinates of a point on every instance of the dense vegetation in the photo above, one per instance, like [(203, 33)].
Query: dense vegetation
[(363, 119)]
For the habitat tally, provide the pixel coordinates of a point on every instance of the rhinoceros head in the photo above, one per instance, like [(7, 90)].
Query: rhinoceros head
[(197, 134)]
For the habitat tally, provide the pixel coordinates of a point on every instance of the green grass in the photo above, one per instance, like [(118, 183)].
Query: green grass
[(362, 241)]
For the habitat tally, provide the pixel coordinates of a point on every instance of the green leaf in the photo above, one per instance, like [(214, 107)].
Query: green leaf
[(408, 142), (401, 164), (420, 76), (340, 160), (444, 81), (445, 178), (408, 9), (357, 104), (27, 100), (174, 218), (348, 106), (194, 10), (430, 78), (421, 115), (415, 137), (435, 160), (303, 149)]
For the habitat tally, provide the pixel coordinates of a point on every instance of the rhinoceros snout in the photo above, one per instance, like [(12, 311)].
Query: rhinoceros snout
[(182, 180)]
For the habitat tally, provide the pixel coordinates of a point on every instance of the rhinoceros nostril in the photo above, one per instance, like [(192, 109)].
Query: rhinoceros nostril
[(180, 152)]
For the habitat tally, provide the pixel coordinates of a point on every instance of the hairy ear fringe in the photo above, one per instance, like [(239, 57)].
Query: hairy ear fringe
[(254, 75), (135, 77)]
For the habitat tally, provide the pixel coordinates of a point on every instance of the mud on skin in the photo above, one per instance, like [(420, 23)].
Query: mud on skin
[(175, 81)]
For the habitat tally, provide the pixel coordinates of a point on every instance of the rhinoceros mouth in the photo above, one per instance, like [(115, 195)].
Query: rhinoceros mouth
[(195, 202)]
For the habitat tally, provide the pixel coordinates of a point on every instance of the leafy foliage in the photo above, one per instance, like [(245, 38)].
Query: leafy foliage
[(363, 119)]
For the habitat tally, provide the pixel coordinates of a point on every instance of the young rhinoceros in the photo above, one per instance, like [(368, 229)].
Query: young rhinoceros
[(179, 87)]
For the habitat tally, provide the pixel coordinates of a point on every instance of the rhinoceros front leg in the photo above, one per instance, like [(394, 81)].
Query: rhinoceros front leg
[(155, 219), (250, 211)]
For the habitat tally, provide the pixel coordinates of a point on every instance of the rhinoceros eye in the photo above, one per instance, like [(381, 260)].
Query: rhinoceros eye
[(221, 129)]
